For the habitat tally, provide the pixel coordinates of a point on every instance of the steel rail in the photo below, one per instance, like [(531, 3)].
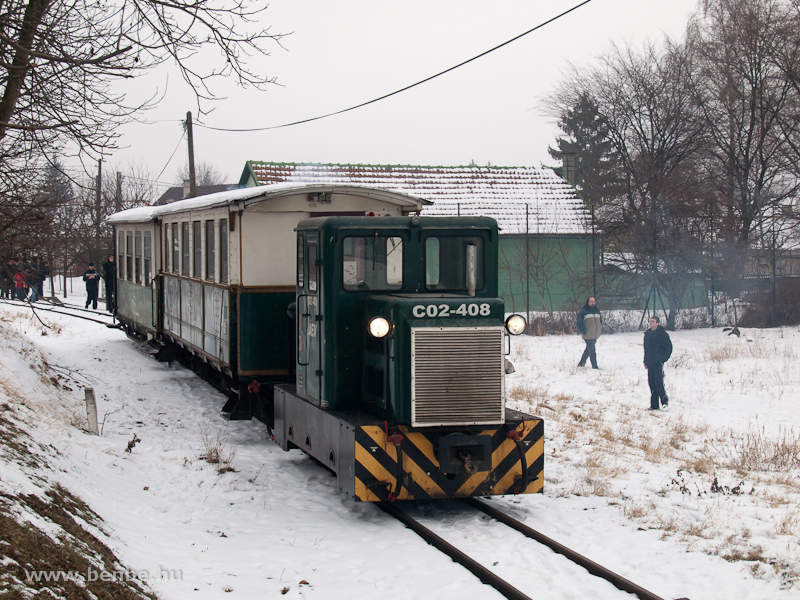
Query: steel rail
[(477, 569), (595, 569), (59, 312)]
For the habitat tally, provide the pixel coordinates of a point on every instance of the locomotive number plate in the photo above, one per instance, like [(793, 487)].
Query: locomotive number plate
[(445, 310)]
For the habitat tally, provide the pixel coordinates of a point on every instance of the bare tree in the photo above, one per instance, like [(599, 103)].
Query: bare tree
[(60, 59), (747, 102), (205, 173), (650, 118), (786, 56)]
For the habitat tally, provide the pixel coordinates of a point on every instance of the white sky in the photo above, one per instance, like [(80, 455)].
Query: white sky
[(343, 53)]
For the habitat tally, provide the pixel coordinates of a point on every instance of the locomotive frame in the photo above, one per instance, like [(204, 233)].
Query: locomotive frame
[(413, 409)]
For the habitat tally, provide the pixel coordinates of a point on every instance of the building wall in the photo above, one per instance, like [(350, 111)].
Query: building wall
[(560, 277), (559, 271)]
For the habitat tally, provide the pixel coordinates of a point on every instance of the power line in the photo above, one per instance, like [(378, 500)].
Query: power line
[(183, 135), (408, 87)]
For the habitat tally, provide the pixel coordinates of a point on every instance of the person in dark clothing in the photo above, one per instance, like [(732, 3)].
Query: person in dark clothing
[(5, 283), (42, 272), (92, 279), (33, 281), (657, 350), (110, 279), (590, 324)]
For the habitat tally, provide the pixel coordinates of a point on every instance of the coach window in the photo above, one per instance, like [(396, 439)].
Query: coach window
[(176, 249), (148, 249), (446, 262), (137, 259), (197, 245), (129, 256), (166, 255), (185, 253), (211, 258), (372, 263), (223, 251), (121, 254)]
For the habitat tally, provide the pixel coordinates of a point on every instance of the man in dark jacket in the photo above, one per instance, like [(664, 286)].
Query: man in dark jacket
[(92, 279), (657, 350), (110, 278), (590, 324)]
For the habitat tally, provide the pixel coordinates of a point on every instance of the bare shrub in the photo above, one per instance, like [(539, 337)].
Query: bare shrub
[(717, 353), (678, 433), (655, 452), (216, 451), (638, 510), (693, 319), (764, 310), (563, 323), (681, 360)]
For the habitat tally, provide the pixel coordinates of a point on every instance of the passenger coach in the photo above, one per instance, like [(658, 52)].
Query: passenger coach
[(212, 277)]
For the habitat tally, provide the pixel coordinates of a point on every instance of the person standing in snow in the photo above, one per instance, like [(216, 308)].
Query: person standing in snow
[(110, 278), (657, 350), (590, 324), (5, 282), (92, 279)]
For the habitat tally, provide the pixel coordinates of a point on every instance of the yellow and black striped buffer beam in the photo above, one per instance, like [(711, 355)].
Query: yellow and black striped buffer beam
[(386, 469)]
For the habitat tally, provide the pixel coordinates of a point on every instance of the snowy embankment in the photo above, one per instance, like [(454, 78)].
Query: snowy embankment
[(699, 502)]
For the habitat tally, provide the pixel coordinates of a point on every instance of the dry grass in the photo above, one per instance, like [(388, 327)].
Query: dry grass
[(600, 441), (755, 450), (787, 522), (700, 464)]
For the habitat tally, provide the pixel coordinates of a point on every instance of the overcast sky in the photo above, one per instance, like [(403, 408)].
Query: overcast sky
[(340, 54)]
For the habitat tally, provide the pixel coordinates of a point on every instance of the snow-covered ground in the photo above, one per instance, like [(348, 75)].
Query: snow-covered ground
[(699, 502)]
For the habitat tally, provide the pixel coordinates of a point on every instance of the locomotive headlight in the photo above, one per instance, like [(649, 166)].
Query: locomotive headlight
[(515, 324), (379, 327)]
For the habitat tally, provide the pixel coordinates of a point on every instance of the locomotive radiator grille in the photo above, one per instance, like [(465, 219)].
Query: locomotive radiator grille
[(457, 376)]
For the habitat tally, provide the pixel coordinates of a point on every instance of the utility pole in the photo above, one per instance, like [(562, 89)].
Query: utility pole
[(118, 196), (527, 266), (190, 137), (594, 267), (98, 207)]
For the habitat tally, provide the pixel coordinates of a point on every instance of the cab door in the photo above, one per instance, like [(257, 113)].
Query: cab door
[(309, 321)]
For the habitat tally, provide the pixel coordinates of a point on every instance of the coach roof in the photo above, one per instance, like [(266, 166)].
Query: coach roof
[(247, 196)]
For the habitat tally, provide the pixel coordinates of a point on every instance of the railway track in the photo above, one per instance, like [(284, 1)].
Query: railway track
[(69, 310), (487, 576)]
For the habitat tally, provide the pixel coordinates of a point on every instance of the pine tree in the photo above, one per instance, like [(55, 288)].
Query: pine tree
[(588, 141)]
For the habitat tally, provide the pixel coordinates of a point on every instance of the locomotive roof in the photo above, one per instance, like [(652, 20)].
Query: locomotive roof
[(254, 195), (424, 222)]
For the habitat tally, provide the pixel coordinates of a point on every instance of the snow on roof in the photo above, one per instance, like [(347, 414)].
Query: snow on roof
[(259, 193), (519, 198)]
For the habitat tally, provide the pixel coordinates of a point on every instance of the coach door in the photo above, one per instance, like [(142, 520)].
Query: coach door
[(309, 320)]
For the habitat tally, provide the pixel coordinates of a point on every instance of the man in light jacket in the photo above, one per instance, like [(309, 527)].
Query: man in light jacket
[(590, 324)]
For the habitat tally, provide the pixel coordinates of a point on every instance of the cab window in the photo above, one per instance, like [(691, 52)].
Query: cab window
[(372, 263), (446, 262)]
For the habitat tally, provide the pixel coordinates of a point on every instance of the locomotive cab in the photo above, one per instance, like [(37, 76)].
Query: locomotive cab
[(410, 306)]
